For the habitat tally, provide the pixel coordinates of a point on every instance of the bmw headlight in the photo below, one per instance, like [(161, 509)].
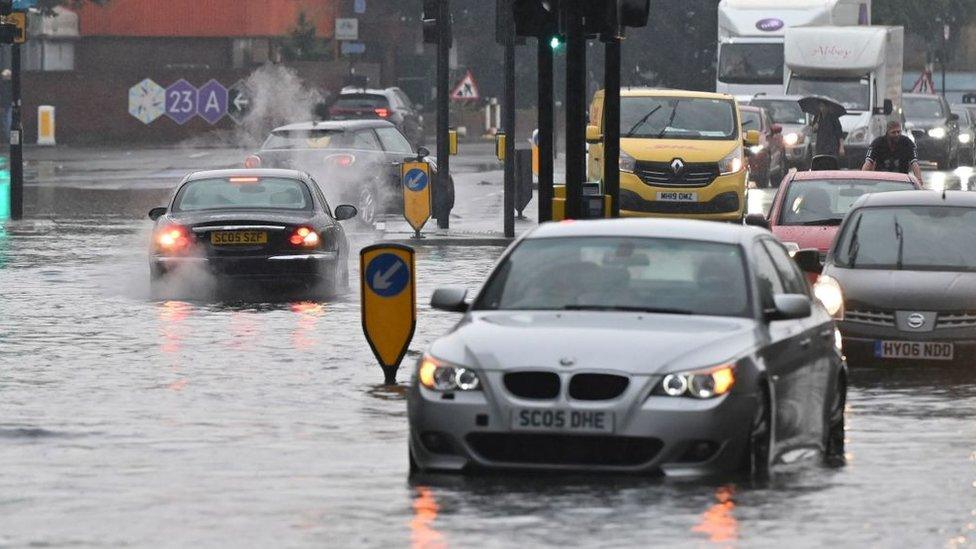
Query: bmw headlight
[(937, 133), (965, 138), (438, 375), (731, 163), (859, 135), (701, 384), (627, 163), (828, 291)]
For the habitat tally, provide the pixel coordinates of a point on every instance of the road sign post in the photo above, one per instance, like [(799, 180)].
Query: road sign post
[(546, 125), (415, 179), (16, 140), (611, 126), (238, 101), (389, 303)]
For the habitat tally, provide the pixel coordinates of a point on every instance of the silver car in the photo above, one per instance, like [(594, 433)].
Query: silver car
[(797, 135), (638, 346)]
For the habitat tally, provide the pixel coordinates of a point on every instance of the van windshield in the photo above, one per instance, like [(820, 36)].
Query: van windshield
[(677, 118), (853, 93)]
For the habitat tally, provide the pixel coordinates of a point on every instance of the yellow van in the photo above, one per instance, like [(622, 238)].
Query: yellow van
[(681, 154)]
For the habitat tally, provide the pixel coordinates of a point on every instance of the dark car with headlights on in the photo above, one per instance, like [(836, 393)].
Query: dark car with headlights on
[(356, 161), (785, 110), (268, 226), (934, 127), (967, 133), (901, 277), (635, 346)]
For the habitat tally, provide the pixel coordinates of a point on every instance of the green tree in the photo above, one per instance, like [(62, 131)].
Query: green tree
[(927, 20), (302, 43)]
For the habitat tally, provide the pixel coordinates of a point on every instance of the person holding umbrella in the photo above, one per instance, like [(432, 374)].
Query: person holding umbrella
[(826, 124)]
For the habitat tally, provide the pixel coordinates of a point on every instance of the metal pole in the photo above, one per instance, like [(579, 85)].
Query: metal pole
[(16, 140), (509, 115), (546, 134), (575, 109), (443, 214), (611, 129)]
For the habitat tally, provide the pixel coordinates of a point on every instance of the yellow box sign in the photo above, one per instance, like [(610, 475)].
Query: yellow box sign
[(416, 182), (500, 146), (389, 303), (19, 19), (453, 135)]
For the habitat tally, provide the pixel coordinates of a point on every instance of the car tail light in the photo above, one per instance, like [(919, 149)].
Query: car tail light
[(381, 112), (173, 238), (252, 161), (304, 237), (340, 160)]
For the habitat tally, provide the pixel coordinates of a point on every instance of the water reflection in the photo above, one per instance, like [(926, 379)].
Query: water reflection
[(423, 534), (719, 522), (4, 242), (172, 318), (305, 334)]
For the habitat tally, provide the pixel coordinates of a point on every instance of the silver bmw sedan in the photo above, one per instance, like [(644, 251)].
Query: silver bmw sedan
[(639, 346)]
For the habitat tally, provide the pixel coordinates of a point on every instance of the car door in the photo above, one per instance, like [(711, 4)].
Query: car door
[(813, 380), (785, 356)]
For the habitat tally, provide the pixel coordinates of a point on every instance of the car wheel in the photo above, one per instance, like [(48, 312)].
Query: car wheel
[(367, 206), (757, 458), (834, 429)]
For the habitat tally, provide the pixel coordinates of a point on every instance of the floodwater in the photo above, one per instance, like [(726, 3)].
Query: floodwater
[(131, 421)]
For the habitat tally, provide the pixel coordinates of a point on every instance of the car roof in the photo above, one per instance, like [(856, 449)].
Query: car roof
[(660, 92), (679, 229), (350, 90), (244, 172), (776, 98), (335, 125), (820, 175), (917, 198)]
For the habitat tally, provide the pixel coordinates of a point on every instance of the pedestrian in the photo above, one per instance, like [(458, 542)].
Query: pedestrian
[(6, 103), (893, 152), (830, 135)]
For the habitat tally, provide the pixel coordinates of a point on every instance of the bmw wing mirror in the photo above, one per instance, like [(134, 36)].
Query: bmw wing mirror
[(954, 117), (345, 211), (809, 261), (156, 213), (791, 307), (451, 299)]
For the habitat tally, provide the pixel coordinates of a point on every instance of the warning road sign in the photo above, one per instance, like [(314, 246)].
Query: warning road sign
[(389, 303), (466, 90)]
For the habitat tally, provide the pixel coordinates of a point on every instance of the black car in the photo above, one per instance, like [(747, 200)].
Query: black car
[(270, 226), (901, 277), (967, 131), (934, 126), (357, 161), (391, 104)]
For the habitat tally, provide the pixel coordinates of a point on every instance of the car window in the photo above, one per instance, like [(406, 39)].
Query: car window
[(751, 120), (242, 193), (648, 117), (826, 202), (404, 98), (320, 195), (923, 107), (790, 275), (781, 111), (366, 140), (321, 139), (767, 277), (360, 101), (393, 140), (621, 273)]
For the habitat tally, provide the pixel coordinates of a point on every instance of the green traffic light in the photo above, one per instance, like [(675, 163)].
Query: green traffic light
[(555, 42)]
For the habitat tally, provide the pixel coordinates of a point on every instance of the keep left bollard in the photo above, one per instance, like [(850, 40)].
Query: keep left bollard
[(389, 303)]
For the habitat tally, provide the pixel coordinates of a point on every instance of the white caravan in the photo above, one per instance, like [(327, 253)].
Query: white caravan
[(751, 32), (859, 67)]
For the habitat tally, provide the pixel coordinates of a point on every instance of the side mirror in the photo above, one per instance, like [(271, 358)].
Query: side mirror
[(156, 213), (752, 138), (954, 117), (321, 111), (593, 135), (418, 107), (790, 307), (423, 151), (809, 261), (345, 211), (757, 220), (886, 109), (776, 129), (450, 299)]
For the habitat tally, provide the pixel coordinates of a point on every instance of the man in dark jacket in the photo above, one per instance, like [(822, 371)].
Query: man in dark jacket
[(830, 135), (893, 152)]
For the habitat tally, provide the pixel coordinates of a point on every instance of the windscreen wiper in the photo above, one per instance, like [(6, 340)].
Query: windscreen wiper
[(900, 235), (674, 112), (855, 245), (641, 122), (627, 308)]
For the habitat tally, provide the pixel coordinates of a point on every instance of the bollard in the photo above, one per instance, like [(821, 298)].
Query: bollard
[(523, 180), (453, 136), (45, 125), (4, 189), (500, 146)]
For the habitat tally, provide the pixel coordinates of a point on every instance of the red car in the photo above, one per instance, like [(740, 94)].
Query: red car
[(767, 160), (809, 206)]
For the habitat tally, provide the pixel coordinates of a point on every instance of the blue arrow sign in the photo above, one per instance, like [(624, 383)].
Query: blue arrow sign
[(24, 5), (416, 180), (387, 275)]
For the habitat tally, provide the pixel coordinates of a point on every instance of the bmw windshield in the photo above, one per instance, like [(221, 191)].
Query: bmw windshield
[(921, 238), (677, 118), (621, 274)]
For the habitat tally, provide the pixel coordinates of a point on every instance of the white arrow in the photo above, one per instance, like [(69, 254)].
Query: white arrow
[(415, 180), (382, 282)]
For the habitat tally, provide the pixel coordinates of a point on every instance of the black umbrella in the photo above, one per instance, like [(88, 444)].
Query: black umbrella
[(811, 104)]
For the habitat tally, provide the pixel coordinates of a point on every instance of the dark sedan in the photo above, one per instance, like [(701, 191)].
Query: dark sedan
[(269, 226), (357, 161), (639, 346), (901, 276), (935, 128)]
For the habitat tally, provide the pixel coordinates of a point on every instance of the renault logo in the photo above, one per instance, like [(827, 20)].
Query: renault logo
[(916, 320), (677, 165)]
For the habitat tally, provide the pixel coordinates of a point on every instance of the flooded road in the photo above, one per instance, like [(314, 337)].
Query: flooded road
[(129, 421)]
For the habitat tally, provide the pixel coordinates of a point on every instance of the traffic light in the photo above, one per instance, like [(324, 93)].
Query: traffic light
[(538, 18), (432, 23), (556, 42), (609, 19)]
